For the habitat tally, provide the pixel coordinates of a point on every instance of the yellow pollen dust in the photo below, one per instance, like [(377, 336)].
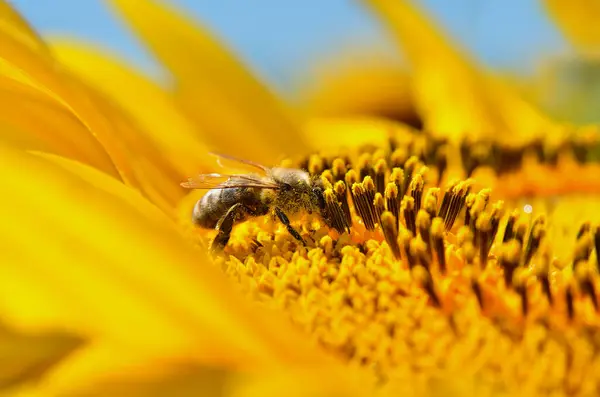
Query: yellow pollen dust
[(412, 275)]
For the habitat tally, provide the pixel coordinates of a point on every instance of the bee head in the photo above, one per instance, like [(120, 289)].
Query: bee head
[(296, 192)]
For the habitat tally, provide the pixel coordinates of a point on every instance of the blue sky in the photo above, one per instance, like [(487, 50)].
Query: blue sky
[(277, 37)]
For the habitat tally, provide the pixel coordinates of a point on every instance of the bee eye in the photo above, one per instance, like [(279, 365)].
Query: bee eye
[(287, 186)]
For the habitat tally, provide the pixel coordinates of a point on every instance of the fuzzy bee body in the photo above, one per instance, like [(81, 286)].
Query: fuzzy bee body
[(235, 198), (216, 202)]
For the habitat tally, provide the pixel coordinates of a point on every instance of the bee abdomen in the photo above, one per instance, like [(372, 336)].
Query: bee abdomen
[(209, 209)]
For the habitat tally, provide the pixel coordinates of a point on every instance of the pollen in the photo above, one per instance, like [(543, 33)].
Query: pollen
[(419, 275)]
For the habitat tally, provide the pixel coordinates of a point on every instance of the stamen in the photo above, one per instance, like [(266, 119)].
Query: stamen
[(469, 201), (584, 277), (419, 147), (475, 213), (509, 260), (437, 240), (415, 189), (520, 230), (448, 194), (338, 169), (341, 194), (379, 154), (327, 162), (398, 158), (468, 250), (543, 275), (370, 191), (352, 178), (404, 239), (423, 223), (483, 198), (379, 206), (303, 164), (407, 207), (519, 285), (327, 179), (597, 246), (580, 149), (397, 177), (457, 202), (363, 205), (391, 198), (479, 205), (510, 226), (289, 163), (464, 235), (430, 204), (483, 227), (538, 231), (476, 288), (410, 167), (583, 248), (419, 250), (365, 166), (549, 155), (380, 173), (586, 227), (441, 161), (422, 276), (334, 210), (474, 155), (315, 164), (393, 142), (497, 214), (570, 301), (389, 225), (508, 159)]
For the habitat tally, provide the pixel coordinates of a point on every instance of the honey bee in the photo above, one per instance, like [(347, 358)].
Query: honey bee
[(233, 198)]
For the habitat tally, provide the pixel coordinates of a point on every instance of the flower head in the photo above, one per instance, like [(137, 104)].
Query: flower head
[(452, 255)]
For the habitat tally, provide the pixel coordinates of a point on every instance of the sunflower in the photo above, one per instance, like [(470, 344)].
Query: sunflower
[(455, 250)]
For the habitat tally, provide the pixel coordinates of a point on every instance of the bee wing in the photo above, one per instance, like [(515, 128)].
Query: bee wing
[(223, 181), (230, 162)]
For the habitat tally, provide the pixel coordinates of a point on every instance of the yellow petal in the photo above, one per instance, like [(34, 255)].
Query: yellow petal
[(578, 21), (22, 66), (161, 123), (87, 260), (48, 109), (363, 85), (234, 112), (150, 377), (305, 382), (163, 377), (102, 182), (11, 21), (153, 170), (110, 370), (453, 97), (41, 120), (27, 357), (35, 120)]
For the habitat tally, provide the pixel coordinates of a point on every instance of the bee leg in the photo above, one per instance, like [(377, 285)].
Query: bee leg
[(225, 225), (284, 219)]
